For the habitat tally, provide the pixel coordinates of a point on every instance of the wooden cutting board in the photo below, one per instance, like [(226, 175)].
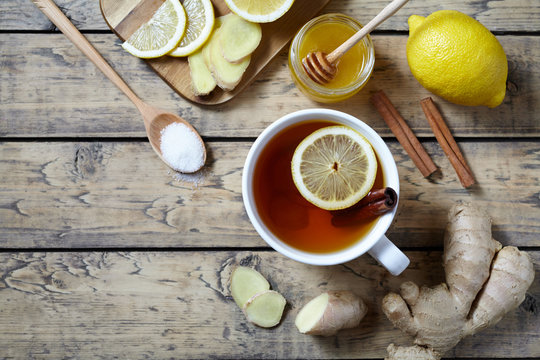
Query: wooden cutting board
[(126, 16)]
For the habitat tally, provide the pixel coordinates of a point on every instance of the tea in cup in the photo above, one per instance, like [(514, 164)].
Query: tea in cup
[(292, 225)]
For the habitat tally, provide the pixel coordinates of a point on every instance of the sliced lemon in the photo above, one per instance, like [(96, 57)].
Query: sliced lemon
[(259, 11), (334, 167), (200, 22), (161, 34)]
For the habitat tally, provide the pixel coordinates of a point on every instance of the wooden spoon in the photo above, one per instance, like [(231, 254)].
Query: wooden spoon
[(155, 120), (321, 68)]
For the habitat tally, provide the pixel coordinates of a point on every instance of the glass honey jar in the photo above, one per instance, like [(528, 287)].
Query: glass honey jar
[(325, 33)]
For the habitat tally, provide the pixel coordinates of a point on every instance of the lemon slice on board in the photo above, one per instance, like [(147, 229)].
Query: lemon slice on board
[(200, 22), (161, 34), (259, 11), (334, 167)]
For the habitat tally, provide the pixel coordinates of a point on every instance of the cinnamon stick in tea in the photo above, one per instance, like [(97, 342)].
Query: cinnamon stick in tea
[(376, 202), (403, 133), (447, 142)]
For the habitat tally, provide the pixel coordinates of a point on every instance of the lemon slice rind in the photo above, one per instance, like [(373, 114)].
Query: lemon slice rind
[(336, 179), (194, 37), (259, 11), (161, 34)]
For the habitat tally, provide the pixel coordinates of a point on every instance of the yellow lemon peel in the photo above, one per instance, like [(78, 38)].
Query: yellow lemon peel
[(455, 57)]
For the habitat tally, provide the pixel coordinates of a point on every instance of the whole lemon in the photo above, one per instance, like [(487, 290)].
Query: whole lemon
[(457, 58)]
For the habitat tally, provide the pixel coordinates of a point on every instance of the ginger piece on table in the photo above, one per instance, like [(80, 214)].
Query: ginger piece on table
[(251, 292), (484, 281), (265, 309), (245, 283), (330, 312)]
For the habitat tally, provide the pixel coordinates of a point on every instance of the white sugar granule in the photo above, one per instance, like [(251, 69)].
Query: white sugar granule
[(194, 180), (181, 148)]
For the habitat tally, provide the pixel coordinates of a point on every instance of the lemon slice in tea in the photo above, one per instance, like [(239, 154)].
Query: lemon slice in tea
[(200, 18), (334, 167), (161, 34)]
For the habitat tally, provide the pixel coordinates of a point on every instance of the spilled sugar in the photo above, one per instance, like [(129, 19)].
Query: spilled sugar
[(181, 148), (195, 180)]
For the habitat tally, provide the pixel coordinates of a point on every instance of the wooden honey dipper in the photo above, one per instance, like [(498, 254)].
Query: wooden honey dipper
[(321, 68)]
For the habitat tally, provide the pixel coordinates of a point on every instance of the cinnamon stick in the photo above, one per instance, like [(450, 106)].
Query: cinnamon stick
[(403, 133), (447, 142), (377, 202)]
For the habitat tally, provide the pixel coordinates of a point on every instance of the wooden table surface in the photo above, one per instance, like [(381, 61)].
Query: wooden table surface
[(105, 253)]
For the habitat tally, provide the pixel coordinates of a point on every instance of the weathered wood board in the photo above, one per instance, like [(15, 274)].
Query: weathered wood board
[(68, 104), (104, 253), (119, 194), (124, 17), (23, 15), (133, 305)]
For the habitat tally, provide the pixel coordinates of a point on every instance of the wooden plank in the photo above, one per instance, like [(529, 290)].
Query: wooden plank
[(134, 305), (52, 87), (119, 194), (505, 15), (24, 15)]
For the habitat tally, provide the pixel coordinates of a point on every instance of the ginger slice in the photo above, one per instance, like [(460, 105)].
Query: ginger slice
[(206, 48), (330, 312), (265, 309), (239, 38), (245, 283), (202, 81), (226, 74)]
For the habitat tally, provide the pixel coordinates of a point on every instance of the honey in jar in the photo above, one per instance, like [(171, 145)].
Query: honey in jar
[(325, 33)]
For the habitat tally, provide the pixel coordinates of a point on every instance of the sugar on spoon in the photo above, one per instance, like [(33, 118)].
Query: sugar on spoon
[(321, 67), (155, 120)]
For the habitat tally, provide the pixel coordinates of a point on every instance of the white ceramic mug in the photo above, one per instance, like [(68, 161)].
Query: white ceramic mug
[(374, 242)]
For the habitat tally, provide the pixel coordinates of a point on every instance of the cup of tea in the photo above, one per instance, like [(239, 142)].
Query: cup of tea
[(298, 229)]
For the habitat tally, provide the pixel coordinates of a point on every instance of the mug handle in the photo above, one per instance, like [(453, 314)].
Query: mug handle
[(389, 256)]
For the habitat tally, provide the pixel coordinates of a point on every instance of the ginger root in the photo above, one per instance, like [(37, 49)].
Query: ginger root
[(483, 283), (330, 312)]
